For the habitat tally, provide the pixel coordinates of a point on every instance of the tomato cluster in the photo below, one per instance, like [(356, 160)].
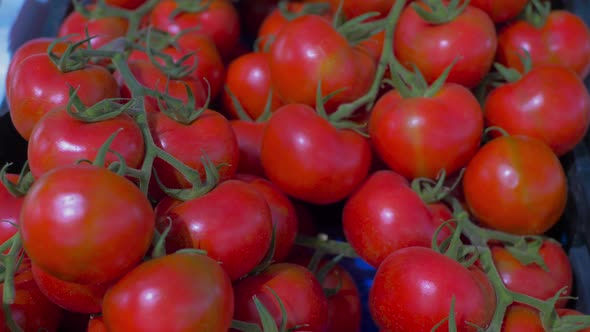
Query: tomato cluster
[(173, 168)]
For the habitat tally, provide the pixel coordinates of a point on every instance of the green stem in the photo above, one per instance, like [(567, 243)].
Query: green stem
[(8, 293), (328, 246)]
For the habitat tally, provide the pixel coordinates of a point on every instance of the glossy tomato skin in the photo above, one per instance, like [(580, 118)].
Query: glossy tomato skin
[(299, 291), (219, 20), (58, 140), (414, 286), (31, 310), (550, 103), (385, 215), (516, 184), (308, 50), (89, 211), (532, 279), (104, 29), (309, 159), (248, 78), (564, 40), (472, 34), (37, 86), (10, 209), (249, 138), (192, 288), (500, 11), (284, 216), (418, 137), (71, 296), (127, 4), (96, 324), (521, 318), (233, 223)]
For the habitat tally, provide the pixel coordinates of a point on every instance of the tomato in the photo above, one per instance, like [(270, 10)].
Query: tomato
[(309, 159), (10, 209), (71, 296), (307, 51), (563, 40), (532, 279), (77, 221), (248, 78), (31, 310), (209, 135), (516, 184), (233, 223), (418, 137), (218, 19), (104, 29), (249, 137), (58, 139), (500, 11), (127, 4), (385, 215), (192, 288), (148, 75), (209, 66), (472, 35), (521, 318), (298, 289), (284, 217), (550, 103), (413, 289), (37, 86), (96, 324), (354, 8)]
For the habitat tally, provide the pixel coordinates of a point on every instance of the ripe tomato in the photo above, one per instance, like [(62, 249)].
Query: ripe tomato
[(96, 324), (104, 29), (10, 209), (31, 310), (127, 4), (309, 159), (472, 35), (521, 318), (233, 223), (354, 8), (58, 139), (77, 221), (307, 51), (299, 291), (418, 137), (249, 137), (37, 86), (218, 19), (532, 279), (384, 215), (248, 78), (71, 296), (177, 292), (564, 40), (500, 11), (516, 184), (413, 289), (550, 103)]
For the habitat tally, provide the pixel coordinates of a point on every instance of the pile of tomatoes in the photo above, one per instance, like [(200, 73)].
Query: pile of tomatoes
[(174, 167)]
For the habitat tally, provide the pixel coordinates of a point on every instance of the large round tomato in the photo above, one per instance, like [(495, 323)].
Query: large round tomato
[(174, 293), (502, 10), (413, 289), (103, 30), (77, 222), (516, 184)]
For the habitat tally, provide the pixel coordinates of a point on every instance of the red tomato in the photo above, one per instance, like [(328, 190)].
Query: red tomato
[(104, 29), (385, 215), (218, 20), (550, 103), (299, 291), (564, 40), (71, 296), (472, 35), (127, 4), (521, 318), (209, 66), (10, 209), (233, 223), (354, 8), (308, 50), (413, 289), (284, 217), (37, 86), (248, 78), (500, 11), (249, 137), (418, 137), (77, 221), (31, 310), (309, 159), (516, 184), (58, 139), (96, 324), (532, 279), (173, 293)]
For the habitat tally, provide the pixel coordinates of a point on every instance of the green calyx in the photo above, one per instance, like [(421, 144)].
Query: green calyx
[(413, 84), (437, 12), (190, 6), (24, 182), (313, 8), (536, 13)]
